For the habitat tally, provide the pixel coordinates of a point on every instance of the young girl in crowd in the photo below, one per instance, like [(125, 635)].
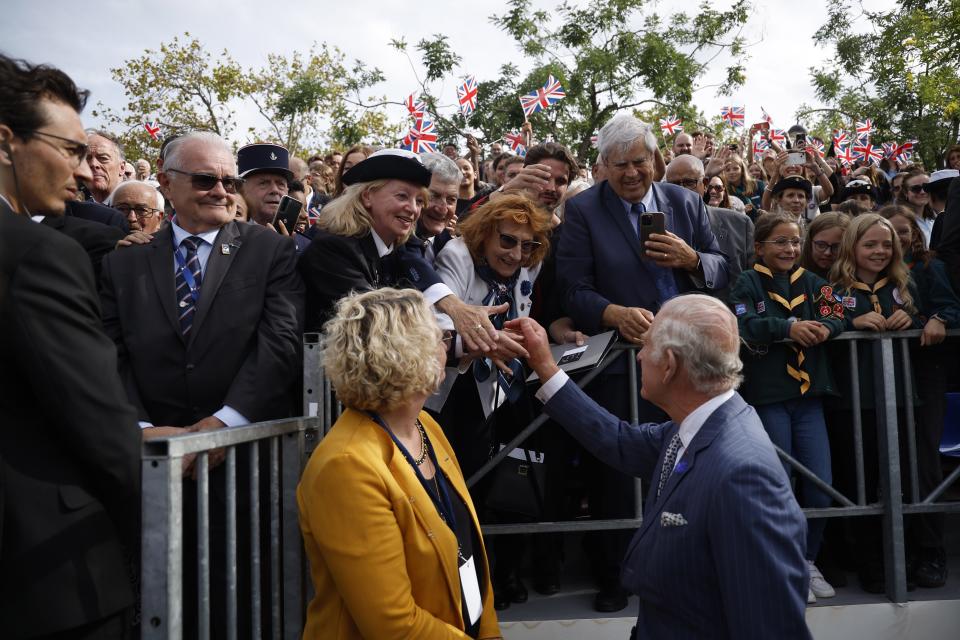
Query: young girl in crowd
[(877, 294), (774, 301), (822, 243), (940, 309)]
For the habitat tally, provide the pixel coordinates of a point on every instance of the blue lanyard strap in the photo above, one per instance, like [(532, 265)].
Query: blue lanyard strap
[(187, 274), (442, 502)]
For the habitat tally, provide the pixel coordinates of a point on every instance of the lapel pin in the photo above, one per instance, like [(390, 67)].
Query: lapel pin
[(682, 466), (225, 249)]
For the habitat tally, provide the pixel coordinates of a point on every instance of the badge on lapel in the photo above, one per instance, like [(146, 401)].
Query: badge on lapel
[(526, 287), (225, 249)]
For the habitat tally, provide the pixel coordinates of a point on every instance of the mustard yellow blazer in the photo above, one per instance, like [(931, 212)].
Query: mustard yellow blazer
[(383, 562)]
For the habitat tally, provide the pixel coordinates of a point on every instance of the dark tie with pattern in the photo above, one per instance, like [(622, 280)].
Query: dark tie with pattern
[(669, 460), (663, 277), (187, 297)]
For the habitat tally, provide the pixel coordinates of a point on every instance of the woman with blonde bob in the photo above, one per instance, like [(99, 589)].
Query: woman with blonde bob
[(389, 528)]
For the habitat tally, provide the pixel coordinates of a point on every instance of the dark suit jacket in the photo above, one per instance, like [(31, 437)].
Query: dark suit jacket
[(96, 239), (948, 247), (599, 255), (736, 569), (244, 349), (734, 233), (69, 442), (96, 212), (333, 266)]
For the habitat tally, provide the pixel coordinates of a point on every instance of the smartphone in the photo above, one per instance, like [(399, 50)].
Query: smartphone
[(650, 222), (795, 158), (288, 211)]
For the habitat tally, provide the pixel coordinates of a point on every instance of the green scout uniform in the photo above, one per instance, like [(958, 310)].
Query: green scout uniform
[(764, 303), (937, 296), (856, 302)]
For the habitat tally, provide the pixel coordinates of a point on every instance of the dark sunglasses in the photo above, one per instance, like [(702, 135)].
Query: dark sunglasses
[(686, 183), (715, 187), (915, 188), (527, 247), (206, 182)]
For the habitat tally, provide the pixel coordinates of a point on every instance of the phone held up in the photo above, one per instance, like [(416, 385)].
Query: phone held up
[(288, 212), (650, 222)]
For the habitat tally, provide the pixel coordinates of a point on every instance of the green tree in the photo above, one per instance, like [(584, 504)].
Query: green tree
[(900, 69), (609, 55), (178, 84), (314, 100)]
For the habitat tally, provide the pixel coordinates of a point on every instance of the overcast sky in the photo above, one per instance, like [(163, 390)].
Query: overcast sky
[(86, 39)]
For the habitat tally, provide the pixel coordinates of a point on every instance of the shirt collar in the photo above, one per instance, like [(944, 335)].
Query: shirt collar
[(648, 200), (382, 248), (692, 423), (179, 234)]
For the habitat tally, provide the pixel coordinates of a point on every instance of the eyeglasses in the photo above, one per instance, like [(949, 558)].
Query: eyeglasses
[(527, 247), (686, 183), (141, 212), (915, 188), (446, 338), (715, 187), (782, 243), (826, 247), (206, 182), (76, 151)]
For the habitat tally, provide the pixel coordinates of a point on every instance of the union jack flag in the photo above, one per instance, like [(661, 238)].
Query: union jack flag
[(864, 128), (313, 216), (671, 125), (766, 116), (153, 128), (839, 138), (421, 138), (759, 146), (888, 149), (732, 115), (467, 95), (817, 144), (543, 97), (778, 135), (417, 108), (845, 155), (517, 143), (904, 151), (868, 153)]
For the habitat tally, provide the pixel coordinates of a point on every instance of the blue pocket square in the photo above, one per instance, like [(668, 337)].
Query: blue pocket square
[(668, 519)]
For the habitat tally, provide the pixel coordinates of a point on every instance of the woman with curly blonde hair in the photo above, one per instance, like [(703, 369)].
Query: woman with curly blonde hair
[(388, 525)]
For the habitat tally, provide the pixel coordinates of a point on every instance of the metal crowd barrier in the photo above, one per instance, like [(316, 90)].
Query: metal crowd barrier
[(291, 441), (161, 571)]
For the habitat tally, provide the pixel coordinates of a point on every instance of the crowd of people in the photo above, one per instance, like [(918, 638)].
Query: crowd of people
[(143, 300)]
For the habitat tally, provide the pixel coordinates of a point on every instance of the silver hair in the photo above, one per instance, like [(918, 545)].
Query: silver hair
[(110, 137), (171, 155), (622, 132), (695, 163), (702, 333), (130, 183), (442, 167)]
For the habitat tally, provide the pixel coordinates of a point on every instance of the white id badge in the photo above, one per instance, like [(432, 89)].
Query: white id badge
[(471, 590)]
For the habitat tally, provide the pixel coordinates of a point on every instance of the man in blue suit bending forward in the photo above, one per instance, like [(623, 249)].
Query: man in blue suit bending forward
[(720, 553)]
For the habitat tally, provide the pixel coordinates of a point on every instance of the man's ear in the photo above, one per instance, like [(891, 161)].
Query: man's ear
[(6, 153), (671, 365)]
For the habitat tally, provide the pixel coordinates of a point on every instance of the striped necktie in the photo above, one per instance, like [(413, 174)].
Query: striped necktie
[(188, 293)]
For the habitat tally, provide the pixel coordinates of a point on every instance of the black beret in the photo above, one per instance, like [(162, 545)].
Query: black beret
[(389, 164), (794, 182)]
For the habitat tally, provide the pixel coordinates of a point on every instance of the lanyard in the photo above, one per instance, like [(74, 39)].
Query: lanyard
[(441, 502), (186, 273)]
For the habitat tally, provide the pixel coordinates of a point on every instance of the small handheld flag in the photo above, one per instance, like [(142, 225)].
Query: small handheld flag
[(467, 95), (548, 94)]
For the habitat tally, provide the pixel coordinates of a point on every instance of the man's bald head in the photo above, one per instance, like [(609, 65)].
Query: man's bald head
[(687, 171)]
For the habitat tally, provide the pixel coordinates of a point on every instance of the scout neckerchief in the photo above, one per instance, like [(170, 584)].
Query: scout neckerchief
[(872, 291), (500, 291), (796, 299)]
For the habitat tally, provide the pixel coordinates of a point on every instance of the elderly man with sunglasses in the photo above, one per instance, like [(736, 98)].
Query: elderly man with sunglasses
[(207, 318)]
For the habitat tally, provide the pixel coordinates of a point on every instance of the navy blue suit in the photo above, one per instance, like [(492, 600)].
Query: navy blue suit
[(599, 262), (736, 569), (599, 259)]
